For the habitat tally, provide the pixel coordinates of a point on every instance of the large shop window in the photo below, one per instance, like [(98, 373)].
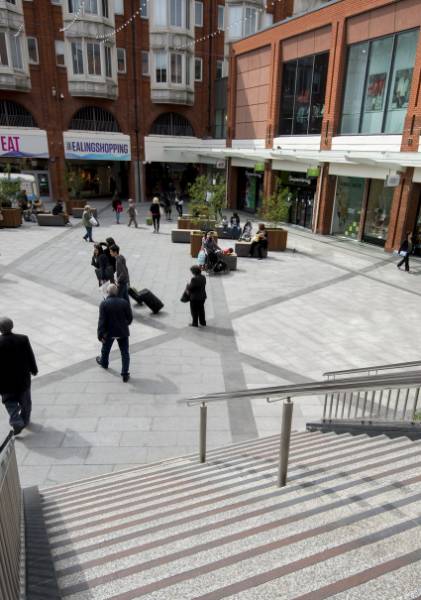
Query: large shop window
[(378, 83), (303, 95), (378, 212)]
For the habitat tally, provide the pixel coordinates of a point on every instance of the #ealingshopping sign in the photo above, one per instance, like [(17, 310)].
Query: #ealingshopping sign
[(96, 146)]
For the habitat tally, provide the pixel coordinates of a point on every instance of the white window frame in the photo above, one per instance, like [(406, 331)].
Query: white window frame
[(119, 71), (198, 61), (198, 11), (148, 71), (33, 62), (182, 67), (17, 42), (167, 70), (7, 66), (108, 61), (84, 66), (94, 43), (63, 47), (221, 11), (185, 15)]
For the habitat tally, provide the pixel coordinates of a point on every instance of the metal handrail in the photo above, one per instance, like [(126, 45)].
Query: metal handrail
[(376, 368)]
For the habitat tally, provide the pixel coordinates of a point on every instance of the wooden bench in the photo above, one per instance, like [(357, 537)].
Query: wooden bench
[(78, 212), (243, 249), (50, 220), (181, 236)]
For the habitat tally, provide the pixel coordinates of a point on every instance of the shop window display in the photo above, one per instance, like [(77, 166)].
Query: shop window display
[(378, 84), (348, 205), (378, 212), (303, 95)]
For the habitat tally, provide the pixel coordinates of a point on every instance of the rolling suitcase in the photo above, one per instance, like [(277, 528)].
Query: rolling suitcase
[(150, 300), (133, 293)]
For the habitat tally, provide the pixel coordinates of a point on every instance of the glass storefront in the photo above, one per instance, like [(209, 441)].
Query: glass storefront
[(97, 179), (38, 167), (249, 190), (378, 83), (303, 95), (302, 193), (362, 209)]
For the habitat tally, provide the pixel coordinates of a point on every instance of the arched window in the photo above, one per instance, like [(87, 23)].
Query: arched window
[(93, 118), (13, 114), (172, 124)]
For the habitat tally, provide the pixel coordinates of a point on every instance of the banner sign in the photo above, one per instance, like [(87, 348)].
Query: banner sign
[(23, 143), (96, 146)]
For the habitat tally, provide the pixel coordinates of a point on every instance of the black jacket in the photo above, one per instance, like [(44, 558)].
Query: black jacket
[(101, 263), (17, 362), (197, 289), (115, 316)]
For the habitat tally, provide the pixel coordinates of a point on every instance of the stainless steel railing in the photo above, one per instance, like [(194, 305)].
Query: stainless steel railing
[(11, 525), (374, 370), (386, 397)]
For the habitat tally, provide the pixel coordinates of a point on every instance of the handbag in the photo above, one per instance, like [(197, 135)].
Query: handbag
[(403, 253), (93, 221), (185, 296)]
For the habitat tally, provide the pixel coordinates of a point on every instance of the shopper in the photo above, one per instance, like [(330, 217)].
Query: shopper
[(87, 217), (155, 210), (102, 266), (196, 290), (117, 208), (405, 250), (132, 212), (121, 273), (167, 205), (115, 316), (260, 242), (17, 364), (179, 205)]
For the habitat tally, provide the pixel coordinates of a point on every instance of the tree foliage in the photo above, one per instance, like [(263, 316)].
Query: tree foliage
[(202, 188), (276, 207), (8, 189)]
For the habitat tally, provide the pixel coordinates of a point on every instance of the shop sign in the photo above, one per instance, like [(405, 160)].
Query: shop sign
[(220, 164), (259, 167), (21, 143), (298, 180), (393, 180), (313, 172), (96, 146)]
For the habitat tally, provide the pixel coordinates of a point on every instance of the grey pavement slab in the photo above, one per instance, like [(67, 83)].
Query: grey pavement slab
[(282, 320)]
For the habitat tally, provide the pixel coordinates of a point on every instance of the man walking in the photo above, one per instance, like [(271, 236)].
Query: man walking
[(115, 316), (17, 363), (122, 273)]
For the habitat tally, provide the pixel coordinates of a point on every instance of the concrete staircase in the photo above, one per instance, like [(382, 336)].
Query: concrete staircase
[(347, 526)]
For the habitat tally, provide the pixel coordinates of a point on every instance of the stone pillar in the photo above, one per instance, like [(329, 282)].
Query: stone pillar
[(232, 180), (327, 185), (269, 181), (403, 212)]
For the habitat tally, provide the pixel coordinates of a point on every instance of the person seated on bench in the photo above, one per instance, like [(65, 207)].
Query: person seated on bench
[(235, 226), (38, 207), (59, 210), (211, 248), (260, 241), (246, 233), (224, 223)]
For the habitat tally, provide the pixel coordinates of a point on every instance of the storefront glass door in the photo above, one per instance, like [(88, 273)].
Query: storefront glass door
[(348, 206), (378, 212)]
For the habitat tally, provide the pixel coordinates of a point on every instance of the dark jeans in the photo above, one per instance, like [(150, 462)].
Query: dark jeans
[(19, 407), (179, 210), (260, 245), (155, 221), (88, 234), (123, 344), (405, 260), (197, 309), (123, 291)]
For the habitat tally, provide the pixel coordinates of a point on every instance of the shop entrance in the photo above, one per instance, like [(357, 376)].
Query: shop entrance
[(250, 190), (164, 177), (301, 199), (97, 179)]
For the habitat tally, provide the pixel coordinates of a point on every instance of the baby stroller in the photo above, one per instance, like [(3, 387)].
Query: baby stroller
[(214, 263)]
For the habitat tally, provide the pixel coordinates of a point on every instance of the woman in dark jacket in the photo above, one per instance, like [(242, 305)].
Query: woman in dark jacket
[(103, 269), (405, 250), (260, 241), (197, 292)]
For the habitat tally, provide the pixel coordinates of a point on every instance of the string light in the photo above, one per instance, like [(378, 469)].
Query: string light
[(76, 17)]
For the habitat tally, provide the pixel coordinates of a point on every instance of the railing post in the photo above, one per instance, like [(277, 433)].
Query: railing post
[(203, 423), (287, 409)]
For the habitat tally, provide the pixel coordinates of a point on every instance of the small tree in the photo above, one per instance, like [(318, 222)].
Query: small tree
[(74, 181), (218, 197), (8, 189), (276, 207)]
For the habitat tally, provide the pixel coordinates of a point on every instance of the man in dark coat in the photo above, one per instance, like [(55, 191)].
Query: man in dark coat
[(17, 363), (115, 316), (197, 292)]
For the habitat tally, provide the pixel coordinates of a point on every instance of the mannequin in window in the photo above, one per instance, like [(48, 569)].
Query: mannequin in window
[(402, 88)]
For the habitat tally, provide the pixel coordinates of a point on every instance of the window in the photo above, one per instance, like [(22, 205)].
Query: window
[(77, 58), (121, 60), (74, 6), (198, 14), (93, 53), (219, 69), (91, 7), (172, 124), (176, 13), (161, 66), (108, 62), (16, 52), (119, 7), (13, 114), (220, 124), (59, 48), (378, 84), (303, 95), (160, 8), (105, 9), (144, 9), (4, 62), (235, 14), (55, 1), (221, 19), (93, 118), (377, 215), (145, 62), (198, 65), (176, 68), (11, 2), (188, 67), (33, 51), (250, 21)]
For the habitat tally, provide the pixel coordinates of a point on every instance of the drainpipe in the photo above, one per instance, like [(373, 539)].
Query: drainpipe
[(211, 86), (138, 183)]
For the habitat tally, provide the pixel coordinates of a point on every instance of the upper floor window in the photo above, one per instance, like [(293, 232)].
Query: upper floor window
[(303, 95), (243, 19), (145, 62), (378, 84), (175, 13), (119, 7), (121, 60), (250, 25), (13, 114), (173, 67), (77, 58), (93, 118), (33, 50), (219, 69), (16, 52), (144, 12), (93, 53), (176, 68), (172, 124), (11, 51), (198, 68), (108, 62), (90, 7), (198, 14), (221, 16), (4, 61), (161, 60), (59, 48)]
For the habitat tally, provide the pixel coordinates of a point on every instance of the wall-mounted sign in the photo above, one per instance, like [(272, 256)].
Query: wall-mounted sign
[(259, 167), (95, 145), (393, 180), (23, 143), (220, 164), (313, 171)]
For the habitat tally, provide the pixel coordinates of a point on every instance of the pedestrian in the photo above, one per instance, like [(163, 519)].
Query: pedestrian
[(87, 220), (196, 290), (121, 273), (179, 205), (155, 211), (167, 206), (115, 316), (132, 212), (260, 241), (103, 269), (17, 364), (405, 250), (117, 208)]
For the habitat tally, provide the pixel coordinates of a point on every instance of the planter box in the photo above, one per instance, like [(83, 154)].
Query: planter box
[(187, 222), (195, 243), (184, 222), (12, 217), (277, 239), (242, 249), (48, 220), (181, 236), (74, 203)]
